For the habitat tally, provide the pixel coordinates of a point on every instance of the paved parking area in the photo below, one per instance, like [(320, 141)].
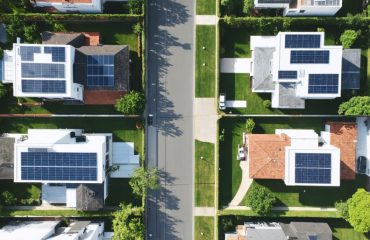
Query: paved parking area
[(235, 65)]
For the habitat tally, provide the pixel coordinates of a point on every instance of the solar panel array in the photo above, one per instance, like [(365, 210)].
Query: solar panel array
[(302, 41), (313, 168), (287, 74), (58, 54), (100, 70), (309, 56), (43, 86), (43, 70), (27, 52), (58, 166), (323, 83)]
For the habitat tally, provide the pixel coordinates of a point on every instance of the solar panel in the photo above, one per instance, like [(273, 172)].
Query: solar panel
[(287, 74), (323, 83), (100, 70), (58, 54), (43, 86), (43, 70), (27, 52), (58, 166), (313, 168), (350, 80), (309, 56), (302, 41)]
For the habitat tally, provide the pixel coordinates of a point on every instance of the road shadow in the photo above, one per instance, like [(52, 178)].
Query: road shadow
[(175, 11)]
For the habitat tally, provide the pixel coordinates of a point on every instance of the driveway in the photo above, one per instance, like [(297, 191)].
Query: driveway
[(235, 65)]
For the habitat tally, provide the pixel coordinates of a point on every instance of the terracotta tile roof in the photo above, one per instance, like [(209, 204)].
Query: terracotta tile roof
[(92, 38), (101, 97), (266, 154), (343, 135)]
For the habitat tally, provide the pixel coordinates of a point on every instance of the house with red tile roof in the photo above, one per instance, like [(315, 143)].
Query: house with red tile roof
[(301, 157)]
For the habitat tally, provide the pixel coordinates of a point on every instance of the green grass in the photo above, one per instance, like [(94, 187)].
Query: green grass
[(21, 190), (343, 231), (59, 213), (206, 7), (306, 214), (119, 191), (204, 174), (205, 76), (235, 43), (204, 228)]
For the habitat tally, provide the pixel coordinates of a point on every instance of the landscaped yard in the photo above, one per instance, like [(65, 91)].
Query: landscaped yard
[(204, 228), (204, 182), (206, 7), (119, 191), (21, 191), (230, 173), (205, 76)]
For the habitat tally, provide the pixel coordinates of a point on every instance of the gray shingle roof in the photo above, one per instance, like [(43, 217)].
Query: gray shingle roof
[(265, 234), (262, 77), (287, 96), (301, 230), (90, 197), (351, 65), (74, 39), (6, 158)]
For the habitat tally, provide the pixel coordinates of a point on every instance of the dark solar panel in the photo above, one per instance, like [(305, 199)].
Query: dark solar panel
[(58, 54), (27, 52), (350, 80), (302, 41), (287, 74), (313, 168), (100, 70), (43, 86), (43, 70), (58, 166), (323, 83), (305, 56)]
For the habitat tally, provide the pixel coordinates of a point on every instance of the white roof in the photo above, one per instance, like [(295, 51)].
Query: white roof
[(93, 231), (32, 230), (124, 158)]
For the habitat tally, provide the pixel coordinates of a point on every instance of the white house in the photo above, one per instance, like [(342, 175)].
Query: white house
[(302, 7), (294, 66), (72, 6), (363, 147)]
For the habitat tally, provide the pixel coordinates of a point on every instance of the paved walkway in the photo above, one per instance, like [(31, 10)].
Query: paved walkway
[(244, 185), (235, 65), (205, 211), (206, 20), (313, 209), (47, 207), (205, 119)]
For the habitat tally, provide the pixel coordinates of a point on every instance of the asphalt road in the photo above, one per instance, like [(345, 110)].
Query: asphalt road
[(170, 77)]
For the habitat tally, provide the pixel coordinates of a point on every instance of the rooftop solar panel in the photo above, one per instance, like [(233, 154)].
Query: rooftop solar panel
[(27, 52), (323, 83), (43, 70), (58, 54), (313, 168), (308, 56), (287, 74), (350, 80), (43, 86), (302, 41), (100, 70)]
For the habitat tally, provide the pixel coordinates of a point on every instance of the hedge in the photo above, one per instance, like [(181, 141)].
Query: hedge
[(76, 17)]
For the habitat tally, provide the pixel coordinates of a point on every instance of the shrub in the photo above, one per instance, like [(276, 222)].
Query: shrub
[(260, 199), (342, 208), (356, 106), (136, 6), (9, 198), (131, 103), (247, 7), (349, 37), (267, 103), (358, 211), (249, 125)]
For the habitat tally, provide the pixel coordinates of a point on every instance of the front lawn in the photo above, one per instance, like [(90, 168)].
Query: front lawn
[(206, 7), (204, 182), (119, 191), (205, 76), (235, 42), (204, 228)]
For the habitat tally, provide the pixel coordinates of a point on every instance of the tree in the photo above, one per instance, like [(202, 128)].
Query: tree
[(3, 90), (229, 6), (356, 106), (349, 37), (247, 7), (143, 180), (15, 27), (31, 33), (9, 198), (131, 103), (249, 125), (136, 6), (342, 208), (128, 223), (260, 199), (358, 210), (137, 29)]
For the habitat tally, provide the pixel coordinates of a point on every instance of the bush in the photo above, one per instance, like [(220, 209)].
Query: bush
[(136, 6), (349, 37), (9, 198), (342, 208), (249, 125), (131, 103), (247, 7), (260, 199), (267, 103), (356, 106)]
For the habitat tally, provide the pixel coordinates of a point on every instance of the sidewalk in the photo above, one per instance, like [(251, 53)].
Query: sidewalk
[(313, 209), (206, 20)]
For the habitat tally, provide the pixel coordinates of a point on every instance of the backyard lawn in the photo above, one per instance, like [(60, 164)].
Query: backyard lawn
[(204, 174), (206, 7), (20, 190), (205, 76), (204, 228)]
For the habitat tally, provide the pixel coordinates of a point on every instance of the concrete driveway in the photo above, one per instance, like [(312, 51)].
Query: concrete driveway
[(235, 65)]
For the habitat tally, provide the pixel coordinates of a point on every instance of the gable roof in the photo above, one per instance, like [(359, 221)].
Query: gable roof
[(90, 197), (301, 230), (63, 38), (262, 77), (266, 155), (343, 135)]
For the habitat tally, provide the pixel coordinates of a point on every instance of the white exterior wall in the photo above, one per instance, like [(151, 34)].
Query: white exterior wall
[(94, 7), (363, 142)]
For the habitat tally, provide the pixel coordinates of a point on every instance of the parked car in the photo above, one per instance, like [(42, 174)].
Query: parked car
[(222, 103), (241, 153), (150, 119)]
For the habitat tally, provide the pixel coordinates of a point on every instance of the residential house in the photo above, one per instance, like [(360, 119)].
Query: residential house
[(295, 66), (281, 231), (53, 230), (302, 7), (301, 157), (73, 6), (363, 146), (68, 66)]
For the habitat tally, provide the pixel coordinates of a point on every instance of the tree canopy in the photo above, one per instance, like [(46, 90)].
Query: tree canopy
[(143, 180), (131, 103), (247, 7), (260, 199), (128, 223), (358, 211), (356, 106), (349, 37)]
